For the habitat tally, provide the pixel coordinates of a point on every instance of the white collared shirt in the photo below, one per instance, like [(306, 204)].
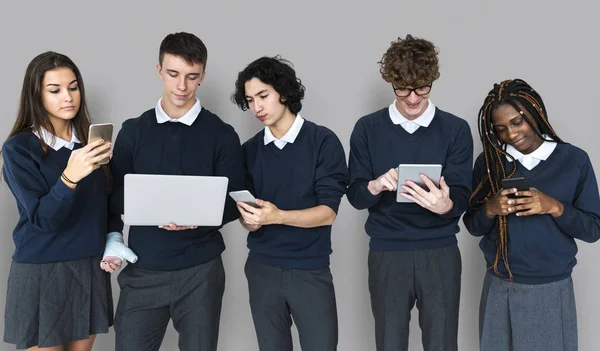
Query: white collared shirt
[(55, 142), (411, 126), (187, 119), (531, 160), (289, 137)]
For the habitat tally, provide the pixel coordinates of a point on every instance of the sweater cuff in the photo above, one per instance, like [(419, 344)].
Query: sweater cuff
[(63, 192), (565, 219), (483, 223)]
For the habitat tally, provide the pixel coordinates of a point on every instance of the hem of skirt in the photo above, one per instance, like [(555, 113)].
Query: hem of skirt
[(25, 346)]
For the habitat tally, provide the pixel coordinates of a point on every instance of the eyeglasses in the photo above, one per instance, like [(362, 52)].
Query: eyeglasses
[(404, 92)]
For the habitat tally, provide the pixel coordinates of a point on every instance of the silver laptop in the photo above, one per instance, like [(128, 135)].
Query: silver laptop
[(154, 200)]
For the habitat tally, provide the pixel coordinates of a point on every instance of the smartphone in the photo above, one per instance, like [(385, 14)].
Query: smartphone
[(519, 182), (101, 131), (244, 196)]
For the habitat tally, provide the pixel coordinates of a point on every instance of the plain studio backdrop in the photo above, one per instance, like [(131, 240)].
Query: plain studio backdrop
[(334, 46)]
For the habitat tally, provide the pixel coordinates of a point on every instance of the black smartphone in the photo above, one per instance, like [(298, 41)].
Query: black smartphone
[(519, 182)]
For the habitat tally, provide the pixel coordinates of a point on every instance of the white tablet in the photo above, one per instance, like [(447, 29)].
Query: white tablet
[(413, 172), (154, 200)]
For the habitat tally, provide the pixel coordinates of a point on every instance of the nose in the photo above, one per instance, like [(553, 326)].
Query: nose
[(68, 96), (412, 97), (256, 106), (512, 133), (181, 83)]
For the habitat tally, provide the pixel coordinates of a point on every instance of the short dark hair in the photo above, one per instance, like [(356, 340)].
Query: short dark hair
[(410, 62), (184, 45), (276, 72)]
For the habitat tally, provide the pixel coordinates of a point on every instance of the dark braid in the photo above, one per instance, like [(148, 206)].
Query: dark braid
[(518, 94)]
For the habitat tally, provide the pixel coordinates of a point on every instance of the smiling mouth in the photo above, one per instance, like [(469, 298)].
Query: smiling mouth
[(415, 105), (519, 142)]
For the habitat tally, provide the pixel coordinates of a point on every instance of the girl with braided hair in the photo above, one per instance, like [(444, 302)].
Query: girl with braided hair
[(528, 238)]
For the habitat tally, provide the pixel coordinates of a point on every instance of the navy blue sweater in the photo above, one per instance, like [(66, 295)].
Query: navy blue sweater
[(56, 223), (310, 172), (541, 248), (209, 147), (376, 145)]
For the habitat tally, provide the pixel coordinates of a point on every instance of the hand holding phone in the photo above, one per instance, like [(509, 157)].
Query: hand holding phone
[(244, 196), (101, 131), (520, 183)]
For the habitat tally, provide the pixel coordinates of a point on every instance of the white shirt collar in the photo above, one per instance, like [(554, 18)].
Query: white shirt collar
[(423, 120), (289, 137), (187, 119), (55, 142), (533, 159)]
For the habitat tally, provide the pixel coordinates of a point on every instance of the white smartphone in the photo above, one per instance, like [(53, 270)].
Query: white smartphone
[(101, 131), (244, 196)]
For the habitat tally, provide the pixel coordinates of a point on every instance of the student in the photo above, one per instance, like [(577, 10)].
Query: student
[(413, 254), (528, 242), (58, 298), (297, 170), (178, 275)]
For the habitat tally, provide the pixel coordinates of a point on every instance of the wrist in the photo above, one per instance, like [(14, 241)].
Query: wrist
[(68, 181), (371, 189), (281, 217), (557, 209), (487, 212), (449, 207), (69, 176)]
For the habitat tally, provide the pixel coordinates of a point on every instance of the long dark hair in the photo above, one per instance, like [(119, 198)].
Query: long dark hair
[(520, 95), (32, 115)]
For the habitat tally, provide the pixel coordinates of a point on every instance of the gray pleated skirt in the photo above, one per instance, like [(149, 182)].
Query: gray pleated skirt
[(523, 317), (57, 303)]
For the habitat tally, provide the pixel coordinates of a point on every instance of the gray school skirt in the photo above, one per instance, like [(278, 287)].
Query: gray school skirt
[(51, 304), (523, 317)]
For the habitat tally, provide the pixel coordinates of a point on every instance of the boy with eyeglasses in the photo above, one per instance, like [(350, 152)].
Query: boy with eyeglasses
[(413, 254)]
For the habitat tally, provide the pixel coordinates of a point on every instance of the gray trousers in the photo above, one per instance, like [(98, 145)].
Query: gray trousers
[(277, 295), (523, 317), (192, 297), (431, 278)]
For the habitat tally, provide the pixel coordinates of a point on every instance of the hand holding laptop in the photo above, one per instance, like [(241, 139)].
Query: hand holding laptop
[(174, 227)]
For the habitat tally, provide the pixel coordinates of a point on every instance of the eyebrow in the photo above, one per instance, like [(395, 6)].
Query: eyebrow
[(174, 71), (260, 92), (57, 85)]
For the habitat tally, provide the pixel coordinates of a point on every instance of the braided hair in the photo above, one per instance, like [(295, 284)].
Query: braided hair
[(518, 94)]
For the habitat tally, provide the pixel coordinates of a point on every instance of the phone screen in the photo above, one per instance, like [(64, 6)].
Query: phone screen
[(520, 183)]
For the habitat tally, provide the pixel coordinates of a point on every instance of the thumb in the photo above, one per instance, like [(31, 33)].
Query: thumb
[(261, 203), (129, 255)]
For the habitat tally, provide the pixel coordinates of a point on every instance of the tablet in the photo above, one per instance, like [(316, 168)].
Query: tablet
[(154, 200), (412, 172)]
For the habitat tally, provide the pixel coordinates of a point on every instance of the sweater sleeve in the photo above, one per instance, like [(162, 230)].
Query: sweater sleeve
[(458, 171), (361, 172), (229, 162), (120, 164), (331, 175), (476, 221), (581, 218), (46, 209)]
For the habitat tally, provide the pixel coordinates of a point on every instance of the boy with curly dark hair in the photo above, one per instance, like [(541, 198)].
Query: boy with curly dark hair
[(413, 254), (297, 170)]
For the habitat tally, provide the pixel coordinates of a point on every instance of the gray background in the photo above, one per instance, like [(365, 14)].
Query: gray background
[(335, 46)]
